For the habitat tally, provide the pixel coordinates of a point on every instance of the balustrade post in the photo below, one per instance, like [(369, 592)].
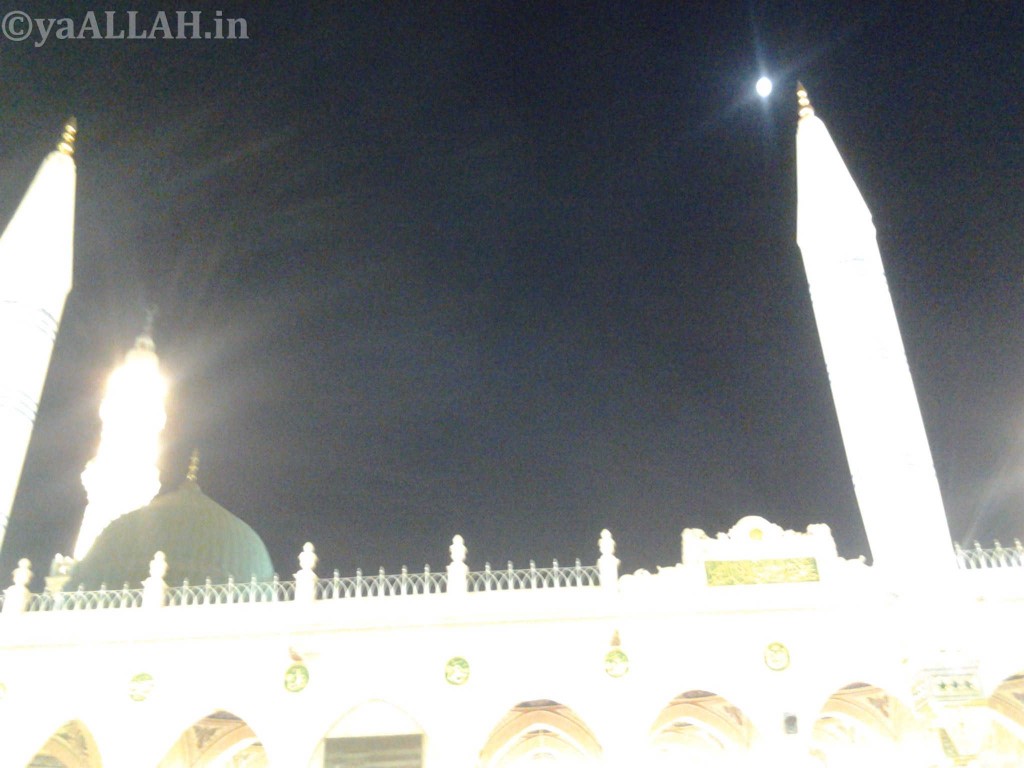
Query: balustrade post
[(458, 572), (608, 563), (305, 578), (154, 588), (16, 596)]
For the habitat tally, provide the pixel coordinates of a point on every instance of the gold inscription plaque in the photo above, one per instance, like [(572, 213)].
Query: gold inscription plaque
[(789, 570)]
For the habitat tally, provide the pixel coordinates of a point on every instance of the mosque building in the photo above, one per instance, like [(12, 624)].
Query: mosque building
[(761, 646)]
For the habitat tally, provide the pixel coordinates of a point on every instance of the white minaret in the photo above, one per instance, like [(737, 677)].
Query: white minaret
[(123, 475), (879, 415), (35, 278)]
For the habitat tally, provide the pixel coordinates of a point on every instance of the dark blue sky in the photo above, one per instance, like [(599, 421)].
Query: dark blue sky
[(524, 271)]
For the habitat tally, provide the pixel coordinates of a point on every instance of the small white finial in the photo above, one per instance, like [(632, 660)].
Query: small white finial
[(458, 549), (23, 573), (158, 566), (606, 543), (308, 558)]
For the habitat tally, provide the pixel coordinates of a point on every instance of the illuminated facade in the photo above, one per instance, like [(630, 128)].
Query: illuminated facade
[(761, 646)]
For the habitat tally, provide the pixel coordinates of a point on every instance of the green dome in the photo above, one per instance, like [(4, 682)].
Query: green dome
[(200, 538)]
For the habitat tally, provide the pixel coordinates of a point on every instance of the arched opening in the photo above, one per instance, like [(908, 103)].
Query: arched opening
[(539, 732), (219, 740), (70, 746), (1007, 706), (699, 728), (861, 723), (373, 733)]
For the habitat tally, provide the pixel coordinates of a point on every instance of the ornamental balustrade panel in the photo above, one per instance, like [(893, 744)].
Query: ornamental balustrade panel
[(82, 600), (978, 557), (555, 577), (381, 585), (253, 591)]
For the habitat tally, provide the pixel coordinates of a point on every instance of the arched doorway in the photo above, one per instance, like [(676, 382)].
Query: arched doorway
[(219, 740), (70, 746), (539, 732)]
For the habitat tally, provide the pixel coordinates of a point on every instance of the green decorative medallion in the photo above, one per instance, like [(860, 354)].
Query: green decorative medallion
[(141, 686), (616, 663), (456, 671), (776, 657), (296, 677)]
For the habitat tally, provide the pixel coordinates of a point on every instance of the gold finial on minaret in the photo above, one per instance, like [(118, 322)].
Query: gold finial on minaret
[(193, 466), (66, 145), (806, 110)]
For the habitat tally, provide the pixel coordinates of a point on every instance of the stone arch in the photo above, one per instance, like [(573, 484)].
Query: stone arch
[(860, 721), (70, 746), (1007, 706), (539, 730), (219, 740), (699, 723)]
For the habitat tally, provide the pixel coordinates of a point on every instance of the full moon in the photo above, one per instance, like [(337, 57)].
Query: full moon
[(763, 87)]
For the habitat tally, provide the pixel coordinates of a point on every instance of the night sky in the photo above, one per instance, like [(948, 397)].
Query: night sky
[(523, 271)]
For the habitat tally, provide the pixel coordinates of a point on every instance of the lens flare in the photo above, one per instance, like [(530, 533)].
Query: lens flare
[(123, 475)]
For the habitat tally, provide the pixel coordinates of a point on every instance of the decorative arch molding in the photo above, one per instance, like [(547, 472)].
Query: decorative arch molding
[(701, 719), (1007, 701), (863, 719), (864, 704), (71, 746), (890, 679), (535, 728), (214, 739)]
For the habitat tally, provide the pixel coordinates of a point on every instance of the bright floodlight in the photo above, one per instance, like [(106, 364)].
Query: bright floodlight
[(764, 87)]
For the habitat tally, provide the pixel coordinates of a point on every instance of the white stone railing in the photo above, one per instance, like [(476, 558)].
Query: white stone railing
[(253, 591), (381, 585), (533, 577), (82, 600), (995, 557), (307, 588)]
